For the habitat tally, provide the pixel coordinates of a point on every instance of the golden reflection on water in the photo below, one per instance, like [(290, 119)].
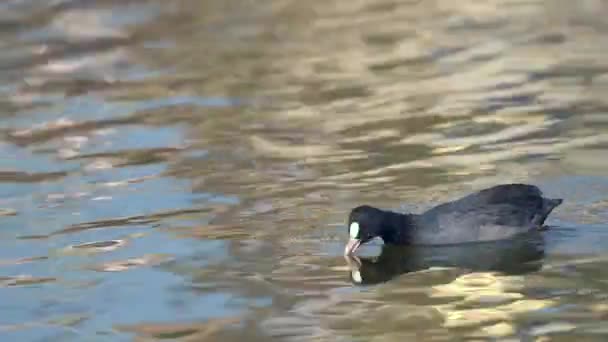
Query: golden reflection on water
[(479, 290)]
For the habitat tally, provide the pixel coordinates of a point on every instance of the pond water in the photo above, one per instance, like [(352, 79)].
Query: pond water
[(183, 170)]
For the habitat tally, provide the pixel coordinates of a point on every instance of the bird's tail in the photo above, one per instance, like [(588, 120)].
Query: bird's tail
[(552, 203), (548, 205)]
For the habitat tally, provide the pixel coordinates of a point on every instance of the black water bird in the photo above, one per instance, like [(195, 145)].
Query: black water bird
[(497, 213)]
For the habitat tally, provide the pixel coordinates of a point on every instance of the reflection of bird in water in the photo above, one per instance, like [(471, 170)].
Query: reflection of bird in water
[(515, 256), (497, 213)]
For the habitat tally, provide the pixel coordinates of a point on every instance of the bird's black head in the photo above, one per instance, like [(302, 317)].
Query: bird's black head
[(364, 224)]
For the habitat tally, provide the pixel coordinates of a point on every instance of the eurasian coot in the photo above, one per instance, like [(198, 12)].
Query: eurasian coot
[(496, 213)]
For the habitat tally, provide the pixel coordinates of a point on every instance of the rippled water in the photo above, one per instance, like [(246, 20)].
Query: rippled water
[(183, 170)]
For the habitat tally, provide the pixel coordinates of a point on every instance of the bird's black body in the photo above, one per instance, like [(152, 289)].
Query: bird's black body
[(495, 213)]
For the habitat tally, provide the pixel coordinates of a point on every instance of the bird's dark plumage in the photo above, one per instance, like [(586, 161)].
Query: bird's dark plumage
[(495, 213)]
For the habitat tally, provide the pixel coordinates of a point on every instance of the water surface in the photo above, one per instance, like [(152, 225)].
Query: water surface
[(183, 170)]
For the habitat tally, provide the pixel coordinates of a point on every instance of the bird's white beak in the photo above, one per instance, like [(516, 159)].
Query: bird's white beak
[(351, 246)]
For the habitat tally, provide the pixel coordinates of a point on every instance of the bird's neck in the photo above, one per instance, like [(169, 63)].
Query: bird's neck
[(397, 228)]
